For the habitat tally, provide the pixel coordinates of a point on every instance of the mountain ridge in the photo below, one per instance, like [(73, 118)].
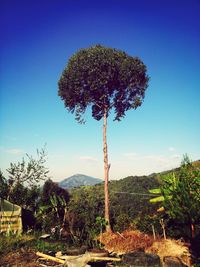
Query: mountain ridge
[(78, 180)]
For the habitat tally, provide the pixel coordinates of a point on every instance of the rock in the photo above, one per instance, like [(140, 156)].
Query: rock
[(170, 261), (143, 259)]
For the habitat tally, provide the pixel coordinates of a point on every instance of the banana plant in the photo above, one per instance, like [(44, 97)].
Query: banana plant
[(164, 192)]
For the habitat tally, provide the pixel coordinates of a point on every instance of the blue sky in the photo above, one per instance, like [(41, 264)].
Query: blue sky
[(38, 38)]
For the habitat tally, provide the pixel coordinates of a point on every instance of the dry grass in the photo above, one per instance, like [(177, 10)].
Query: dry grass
[(170, 247), (127, 241), (130, 241)]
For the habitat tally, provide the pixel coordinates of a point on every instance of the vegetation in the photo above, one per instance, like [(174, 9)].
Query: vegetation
[(4, 186), (52, 204), (180, 194), (24, 175), (76, 218), (104, 79), (80, 213), (15, 242)]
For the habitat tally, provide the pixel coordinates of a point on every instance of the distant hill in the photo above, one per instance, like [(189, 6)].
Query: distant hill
[(79, 180), (139, 184)]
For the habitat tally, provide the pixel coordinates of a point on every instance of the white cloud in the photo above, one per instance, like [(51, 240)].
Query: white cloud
[(171, 149), (130, 155), (176, 156), (135, 156), (88, 158), (160, 159)]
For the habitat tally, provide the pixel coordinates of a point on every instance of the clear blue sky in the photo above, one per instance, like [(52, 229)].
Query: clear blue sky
[(37, 39)]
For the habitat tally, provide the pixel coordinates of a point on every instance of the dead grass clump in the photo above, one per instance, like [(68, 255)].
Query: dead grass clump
[(127, 241), (170, 247)]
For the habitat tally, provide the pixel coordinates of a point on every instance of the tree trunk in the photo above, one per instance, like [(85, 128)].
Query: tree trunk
[(192, 227), (106, 173)]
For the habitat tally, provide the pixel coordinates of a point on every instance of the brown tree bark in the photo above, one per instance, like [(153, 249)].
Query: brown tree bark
[(106, 173), (192, 226)]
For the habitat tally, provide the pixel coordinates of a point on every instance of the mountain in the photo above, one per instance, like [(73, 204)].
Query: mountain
[(79, 180)]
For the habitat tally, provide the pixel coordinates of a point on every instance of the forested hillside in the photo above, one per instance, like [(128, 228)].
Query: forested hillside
[(129, 203), (81, 210), (129, 200)]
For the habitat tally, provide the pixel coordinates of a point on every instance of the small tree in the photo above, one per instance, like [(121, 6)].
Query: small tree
[(29, 172), (104, 79), (26, 197), (51, 188), (53, 203)]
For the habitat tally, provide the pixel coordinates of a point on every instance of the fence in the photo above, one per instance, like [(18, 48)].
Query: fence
[(10, 217)]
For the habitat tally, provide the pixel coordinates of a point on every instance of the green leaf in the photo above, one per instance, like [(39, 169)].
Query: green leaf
[(101, 71), (157, 199), (155, 191)]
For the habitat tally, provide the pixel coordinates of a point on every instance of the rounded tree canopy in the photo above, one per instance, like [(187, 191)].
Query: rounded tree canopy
[(103, 78)]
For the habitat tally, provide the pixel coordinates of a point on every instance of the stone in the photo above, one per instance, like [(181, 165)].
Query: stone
[(139, 258), (170, 261)]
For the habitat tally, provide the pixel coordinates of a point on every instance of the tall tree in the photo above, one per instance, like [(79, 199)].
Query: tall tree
[(104, 79)]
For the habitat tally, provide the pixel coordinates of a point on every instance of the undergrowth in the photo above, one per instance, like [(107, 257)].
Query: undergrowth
[(15, 242)]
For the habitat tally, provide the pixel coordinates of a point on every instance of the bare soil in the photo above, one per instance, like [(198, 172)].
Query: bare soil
[(23, 258)]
